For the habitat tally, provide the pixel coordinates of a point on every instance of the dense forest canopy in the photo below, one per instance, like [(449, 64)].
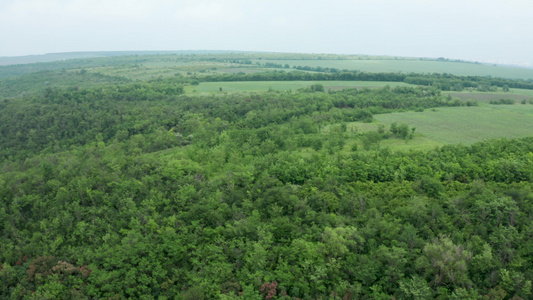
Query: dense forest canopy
[(129, 188)]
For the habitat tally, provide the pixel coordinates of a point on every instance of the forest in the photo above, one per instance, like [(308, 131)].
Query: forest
[(123, 188)]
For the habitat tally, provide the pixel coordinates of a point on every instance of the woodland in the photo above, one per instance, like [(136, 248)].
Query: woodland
[(116, 188)]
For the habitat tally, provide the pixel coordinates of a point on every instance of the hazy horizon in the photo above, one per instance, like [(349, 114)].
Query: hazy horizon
[(472, 30)]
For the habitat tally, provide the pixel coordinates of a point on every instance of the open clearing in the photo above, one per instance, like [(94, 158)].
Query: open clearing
[(457, 125), (261, 86), (415, 66)]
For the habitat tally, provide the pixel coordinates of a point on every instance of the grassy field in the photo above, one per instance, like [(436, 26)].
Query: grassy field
[(523, 92), (416, 66), (261, 86), (517, 95), (456, 125)]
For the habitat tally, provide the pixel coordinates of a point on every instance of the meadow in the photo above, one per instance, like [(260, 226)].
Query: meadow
[(455, 125)]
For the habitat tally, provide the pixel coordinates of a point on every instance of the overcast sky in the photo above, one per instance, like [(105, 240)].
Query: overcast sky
[(479, 30)]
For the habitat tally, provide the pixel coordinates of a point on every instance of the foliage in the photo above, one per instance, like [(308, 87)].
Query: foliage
[(140, 191)]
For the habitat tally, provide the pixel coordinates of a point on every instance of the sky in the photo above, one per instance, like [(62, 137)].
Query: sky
[(475, 30)]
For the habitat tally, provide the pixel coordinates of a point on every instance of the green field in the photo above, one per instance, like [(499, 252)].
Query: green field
[(457, 125), (517, 95), (415, 66), (261, 86), (523, 92)]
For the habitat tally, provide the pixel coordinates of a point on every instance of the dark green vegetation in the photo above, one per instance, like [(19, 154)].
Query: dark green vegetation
[(131, 188)]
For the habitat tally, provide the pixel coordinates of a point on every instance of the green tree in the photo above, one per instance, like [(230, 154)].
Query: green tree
[(445, 263), (371, 138), (415, 288)]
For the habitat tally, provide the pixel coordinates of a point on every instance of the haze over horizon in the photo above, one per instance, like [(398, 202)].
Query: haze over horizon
[(474, 30)]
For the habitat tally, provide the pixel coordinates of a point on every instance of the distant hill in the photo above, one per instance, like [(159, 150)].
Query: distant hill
[(20, 65), (49, 57)]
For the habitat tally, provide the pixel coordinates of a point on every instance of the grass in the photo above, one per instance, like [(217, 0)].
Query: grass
[(457, 125), (419, 141), (262, 86), (517, 95), (413, 65), (523, 92)]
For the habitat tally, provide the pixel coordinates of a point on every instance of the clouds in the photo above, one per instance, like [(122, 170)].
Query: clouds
[(468, 29)]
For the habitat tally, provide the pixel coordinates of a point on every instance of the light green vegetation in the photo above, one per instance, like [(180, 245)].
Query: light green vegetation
[(162, 68), (516, 95), (456, 125), (415, 66), (419, 141), (522, 92), (245, 70), (258, 86)]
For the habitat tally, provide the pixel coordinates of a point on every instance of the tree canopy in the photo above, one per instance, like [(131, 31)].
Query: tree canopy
[(138, 190)]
